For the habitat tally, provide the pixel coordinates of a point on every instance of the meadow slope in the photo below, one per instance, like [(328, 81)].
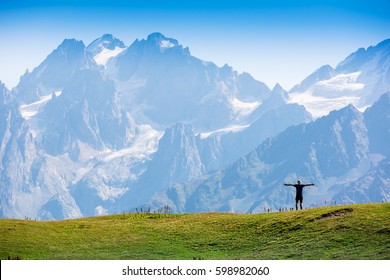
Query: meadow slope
[(336, 232)]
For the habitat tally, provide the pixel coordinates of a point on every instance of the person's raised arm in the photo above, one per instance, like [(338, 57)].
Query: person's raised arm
[(307, 185), (289, 185)]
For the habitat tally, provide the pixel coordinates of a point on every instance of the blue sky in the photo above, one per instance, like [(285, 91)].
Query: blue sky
[(275, 41)]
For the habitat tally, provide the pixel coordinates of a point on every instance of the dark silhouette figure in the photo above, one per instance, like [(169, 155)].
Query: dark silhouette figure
[(299, 188)]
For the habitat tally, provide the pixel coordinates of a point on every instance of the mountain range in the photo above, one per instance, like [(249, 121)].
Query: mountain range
[(360, 79), (108, 128)]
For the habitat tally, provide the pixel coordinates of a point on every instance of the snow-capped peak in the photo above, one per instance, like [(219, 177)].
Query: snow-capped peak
[(105, 47), (161, 41), (107, 41)]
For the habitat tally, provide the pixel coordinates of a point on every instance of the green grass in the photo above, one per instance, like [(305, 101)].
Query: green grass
[(338, 232)]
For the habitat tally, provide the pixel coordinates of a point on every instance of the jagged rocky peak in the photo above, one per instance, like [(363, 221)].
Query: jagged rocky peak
[(347, 112), (180, 135), (107, 41), (276, 98), (362, 56), (161, 41), (55, 72), (251, 90), (279, 90), (69, 49), (158, 42), (70, 52), (323, 73), (146, 56), (5, 96), (226, 70), (70, 43)]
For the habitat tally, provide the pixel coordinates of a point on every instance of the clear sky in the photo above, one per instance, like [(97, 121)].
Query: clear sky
[(275, 40)]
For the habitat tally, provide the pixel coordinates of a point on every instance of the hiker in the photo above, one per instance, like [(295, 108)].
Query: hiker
[(299, 197)]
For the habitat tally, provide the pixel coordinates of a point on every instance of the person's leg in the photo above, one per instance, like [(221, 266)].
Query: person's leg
[(300, 201)]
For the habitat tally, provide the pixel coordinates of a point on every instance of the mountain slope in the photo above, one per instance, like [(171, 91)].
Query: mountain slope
[(378, 123), (177, 160), (55, 72), (17, 154), (375, 184), (360, 80), (270, 118), (87, 111)]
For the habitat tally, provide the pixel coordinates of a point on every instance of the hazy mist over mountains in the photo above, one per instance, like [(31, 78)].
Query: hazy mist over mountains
[(106, 128)]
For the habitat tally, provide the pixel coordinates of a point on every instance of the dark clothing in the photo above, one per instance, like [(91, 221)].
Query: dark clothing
[(299, 190), (299, 195)]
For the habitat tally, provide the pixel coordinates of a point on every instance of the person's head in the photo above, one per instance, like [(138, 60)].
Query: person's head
[(299, 181)]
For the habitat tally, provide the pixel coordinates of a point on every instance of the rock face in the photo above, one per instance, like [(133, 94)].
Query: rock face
[(375, 185), (107, 128), (163, 84), (87, 111), (55, 72)]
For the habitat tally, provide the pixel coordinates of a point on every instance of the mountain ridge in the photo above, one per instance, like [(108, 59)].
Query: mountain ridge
[(360, 79), (106, 128)]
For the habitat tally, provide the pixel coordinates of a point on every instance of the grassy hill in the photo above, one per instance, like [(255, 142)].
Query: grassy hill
[(338, 232)]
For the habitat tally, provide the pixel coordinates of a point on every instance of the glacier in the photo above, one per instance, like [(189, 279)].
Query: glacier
[(360, 80)]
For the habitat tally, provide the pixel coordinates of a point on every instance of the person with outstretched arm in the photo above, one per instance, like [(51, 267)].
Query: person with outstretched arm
[(299, 188)]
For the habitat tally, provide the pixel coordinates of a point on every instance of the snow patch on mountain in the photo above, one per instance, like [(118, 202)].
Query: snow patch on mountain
[(243, 108), (106, 54), (319, 106), (30, 110), (231, 128), (166, 44), (332, 94), (343, 82), (144, 145)]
